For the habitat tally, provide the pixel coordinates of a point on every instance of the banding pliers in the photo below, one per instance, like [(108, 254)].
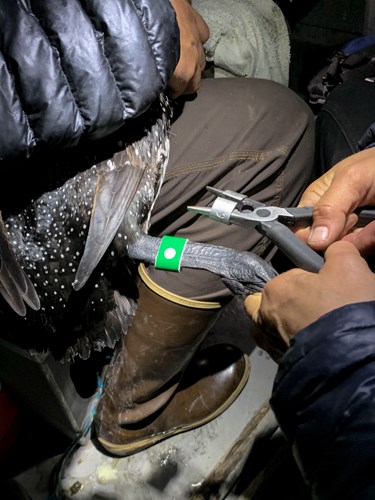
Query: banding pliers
[(231, 207)]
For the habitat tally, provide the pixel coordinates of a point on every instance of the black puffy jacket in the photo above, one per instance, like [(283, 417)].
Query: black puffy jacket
[(74, 70), (324, 399)]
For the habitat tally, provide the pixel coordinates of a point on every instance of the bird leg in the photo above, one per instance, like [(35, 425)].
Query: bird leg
[(242, 272)]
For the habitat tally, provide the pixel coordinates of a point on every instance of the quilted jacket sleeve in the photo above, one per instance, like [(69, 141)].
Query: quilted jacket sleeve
[(74, 71), (324, 400)]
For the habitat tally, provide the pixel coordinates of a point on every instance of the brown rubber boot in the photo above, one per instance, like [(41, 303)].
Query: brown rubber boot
[(145, 400)]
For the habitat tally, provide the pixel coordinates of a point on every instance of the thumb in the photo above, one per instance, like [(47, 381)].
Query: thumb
[(330, 222), (252, 305)]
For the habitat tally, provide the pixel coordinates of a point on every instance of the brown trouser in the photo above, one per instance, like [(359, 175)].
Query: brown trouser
[(247, 135)]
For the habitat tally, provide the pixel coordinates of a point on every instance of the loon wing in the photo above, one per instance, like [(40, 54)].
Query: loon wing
[(115, 190), (15, 286), (140, 165)]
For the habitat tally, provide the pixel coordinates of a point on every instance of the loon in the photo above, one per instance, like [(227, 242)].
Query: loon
[(68, 256)]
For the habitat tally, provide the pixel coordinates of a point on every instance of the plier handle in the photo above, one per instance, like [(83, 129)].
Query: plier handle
[(231, 207)]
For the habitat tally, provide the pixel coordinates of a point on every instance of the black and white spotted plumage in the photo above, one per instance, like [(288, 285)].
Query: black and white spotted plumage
[(68, 255), (72, 245)]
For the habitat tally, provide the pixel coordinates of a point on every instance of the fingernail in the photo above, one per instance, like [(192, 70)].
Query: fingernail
[(318, 234)]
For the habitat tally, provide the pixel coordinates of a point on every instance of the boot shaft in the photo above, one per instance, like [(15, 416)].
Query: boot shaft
[(165, 334)]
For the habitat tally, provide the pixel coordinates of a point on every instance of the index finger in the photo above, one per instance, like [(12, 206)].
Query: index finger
[(343, 255)]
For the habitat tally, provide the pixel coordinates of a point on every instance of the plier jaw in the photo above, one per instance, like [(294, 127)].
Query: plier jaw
[(274, 222), (229, 206)]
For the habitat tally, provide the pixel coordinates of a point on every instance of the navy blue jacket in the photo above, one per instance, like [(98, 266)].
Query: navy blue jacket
[(324, 400), (75, 70), (368, 138)]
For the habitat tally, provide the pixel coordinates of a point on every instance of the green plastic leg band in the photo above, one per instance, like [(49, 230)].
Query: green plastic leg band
[(170, 253)]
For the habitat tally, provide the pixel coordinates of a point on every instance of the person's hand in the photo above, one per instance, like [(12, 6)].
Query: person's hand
[(297, 298), (335, 196), (194, 33)]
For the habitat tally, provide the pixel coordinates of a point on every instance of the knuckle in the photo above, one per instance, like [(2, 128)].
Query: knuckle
[(324, 211)]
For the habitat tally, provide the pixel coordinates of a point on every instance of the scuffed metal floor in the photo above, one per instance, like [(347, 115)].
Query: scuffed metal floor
[(188, 465)]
